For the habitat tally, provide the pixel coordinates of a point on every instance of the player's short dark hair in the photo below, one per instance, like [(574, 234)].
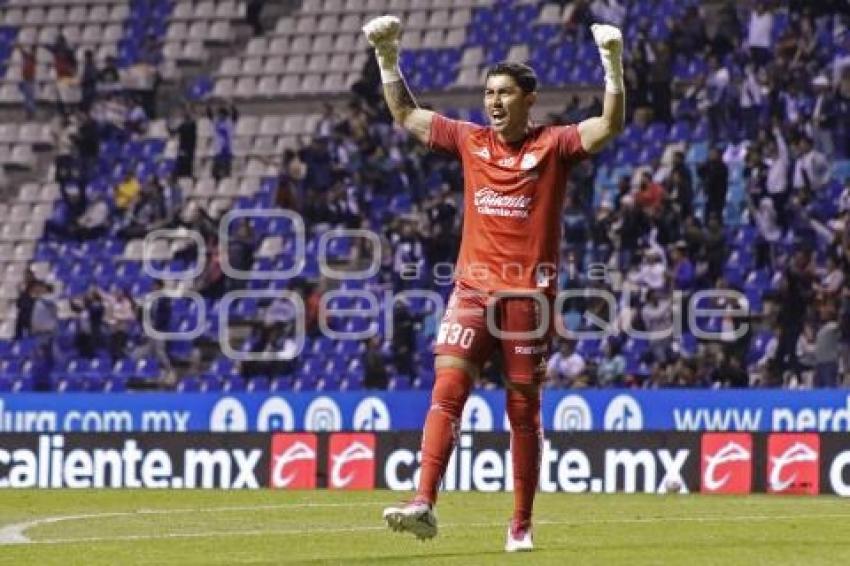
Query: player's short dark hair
[(524, 75)]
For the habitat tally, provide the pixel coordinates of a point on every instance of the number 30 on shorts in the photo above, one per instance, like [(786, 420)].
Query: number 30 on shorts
[(453, 334)]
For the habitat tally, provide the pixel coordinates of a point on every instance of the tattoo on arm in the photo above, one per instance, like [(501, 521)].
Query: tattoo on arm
[(399, 99)]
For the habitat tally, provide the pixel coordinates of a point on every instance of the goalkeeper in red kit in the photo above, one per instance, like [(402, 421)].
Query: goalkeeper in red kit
[(515, 176)]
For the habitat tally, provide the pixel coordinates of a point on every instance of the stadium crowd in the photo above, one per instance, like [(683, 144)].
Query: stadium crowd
[(772, 101)]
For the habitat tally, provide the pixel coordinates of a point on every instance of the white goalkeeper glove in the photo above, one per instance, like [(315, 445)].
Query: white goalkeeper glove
[(609, 41), (383, 34)]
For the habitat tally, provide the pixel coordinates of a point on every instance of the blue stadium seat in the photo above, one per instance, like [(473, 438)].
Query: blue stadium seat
[(189, 384), (259, 384)]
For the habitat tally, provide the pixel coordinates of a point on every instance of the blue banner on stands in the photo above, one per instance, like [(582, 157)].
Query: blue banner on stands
[(679, 410)]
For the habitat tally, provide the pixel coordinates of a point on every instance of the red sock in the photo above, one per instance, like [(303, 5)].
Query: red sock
[(526, 447), (441, 429)]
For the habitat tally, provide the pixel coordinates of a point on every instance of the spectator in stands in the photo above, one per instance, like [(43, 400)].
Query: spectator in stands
[(806, 349), (652, 271), (760, 34), (159, 313), (65, 67), (811, 168), (211, 283), (187, 141), (650, 195), (73, 205), (751, 102), (408, 255), (136, 123), (147, 213), (683, 268), (632, 226), (660, 79), (89, 81), (109, 81), (120, 319), (224, 125), (731, 374), (691, 38), (833, 278), (240, 253), (770, 233), (110, 113), (827, 350), (253, 16), (87, 143), (24, 305), (566, 367), (795, 293), (312, 305), (172, 199), (285, 196), (823, 115), (276, 346), (195, 218), (717, 89), (374, 366), (778, 162), (43, 327), (403, 339), (27, 84), (65, 134), (657, 318), (680, 186), (94, 222), (90, 310), (612, 367), (328, 121), (127, 191), (715, 178)]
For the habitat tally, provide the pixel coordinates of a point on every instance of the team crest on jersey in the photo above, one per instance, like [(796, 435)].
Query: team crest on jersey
[(483, 153), (529, 160)]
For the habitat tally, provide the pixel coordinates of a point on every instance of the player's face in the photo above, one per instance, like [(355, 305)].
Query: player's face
[(507, 106)]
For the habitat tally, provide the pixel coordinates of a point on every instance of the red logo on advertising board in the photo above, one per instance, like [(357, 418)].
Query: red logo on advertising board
[(793, 462), (351, 464), (727, 463), (293, 461)]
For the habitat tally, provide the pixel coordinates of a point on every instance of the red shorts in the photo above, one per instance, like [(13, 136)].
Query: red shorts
[(519, 322)]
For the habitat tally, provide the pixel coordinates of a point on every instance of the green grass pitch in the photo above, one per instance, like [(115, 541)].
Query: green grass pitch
[(126, 527)]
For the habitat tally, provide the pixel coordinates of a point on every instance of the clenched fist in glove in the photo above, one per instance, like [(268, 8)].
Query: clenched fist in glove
[(609, 41), (383, 34)]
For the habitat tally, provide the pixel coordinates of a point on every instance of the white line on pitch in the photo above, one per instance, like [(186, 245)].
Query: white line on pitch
[(364, 529), (14, 533)]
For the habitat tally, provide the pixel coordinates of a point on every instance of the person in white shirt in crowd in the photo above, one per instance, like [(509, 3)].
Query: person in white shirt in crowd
[(766, 220), (811, 170), (566, 367), (657, 316), (760, 34), (717, 89), (653, 270), (822, 116), (778, 161), (832, 279)]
